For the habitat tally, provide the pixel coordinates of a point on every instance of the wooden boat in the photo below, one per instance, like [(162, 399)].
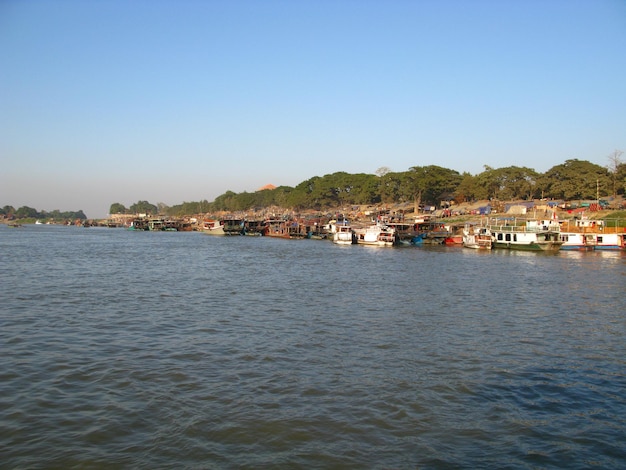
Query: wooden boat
[(233, 226), (533, 236), (433, 232), (254, 227), (477, 237), (280, 228), (184, 226), (139, 224), (376, 235), (406, 232), (316, 228), (456, 236)]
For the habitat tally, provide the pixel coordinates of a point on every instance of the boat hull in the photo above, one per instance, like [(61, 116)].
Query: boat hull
[(477, 243), (531, 246), (526, 240)]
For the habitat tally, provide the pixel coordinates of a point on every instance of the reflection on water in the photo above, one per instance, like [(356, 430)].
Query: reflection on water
[(179, 349)]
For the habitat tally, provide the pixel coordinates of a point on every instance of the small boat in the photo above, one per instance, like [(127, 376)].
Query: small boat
[(213, 227), (376, 235), (432, 232), (456, 236), (577, 241), (406, 232), (140, 224), (342, 233), (477, 237)]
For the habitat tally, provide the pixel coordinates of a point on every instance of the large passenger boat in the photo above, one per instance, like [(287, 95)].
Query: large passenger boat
[(534, 235)]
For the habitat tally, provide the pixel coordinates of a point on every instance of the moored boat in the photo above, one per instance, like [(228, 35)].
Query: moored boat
[(254, 227), (479, 238), (233, 226), (577, 241), (533, 236), (281, 228), (407, 233), (342, 234), (456, 236), (610, 241), (376, 235), (598, 234), (433, 232), (213, 227)]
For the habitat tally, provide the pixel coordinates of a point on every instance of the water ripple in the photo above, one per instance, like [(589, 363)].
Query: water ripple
[(152, 350)]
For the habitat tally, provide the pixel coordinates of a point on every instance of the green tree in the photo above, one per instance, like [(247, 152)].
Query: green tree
[(390, 187), (301, 197), (117, 208), (621, 178), (143, 207), (576, 179), (26, 212), (7, 210), (364, 189), (614, 167), (429, 183), (468, 188), (511, 182), (224, 202)]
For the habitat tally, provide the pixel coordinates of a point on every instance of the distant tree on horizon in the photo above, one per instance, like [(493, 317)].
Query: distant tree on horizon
[(117, 208)]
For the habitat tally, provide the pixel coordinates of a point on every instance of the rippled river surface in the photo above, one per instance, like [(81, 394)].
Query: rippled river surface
[(181, 350)]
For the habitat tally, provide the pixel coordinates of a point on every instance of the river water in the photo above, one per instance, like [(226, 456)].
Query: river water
[(181, 350)]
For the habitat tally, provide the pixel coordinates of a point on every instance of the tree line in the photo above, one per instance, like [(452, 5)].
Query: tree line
[(573, 180), (26, 212)]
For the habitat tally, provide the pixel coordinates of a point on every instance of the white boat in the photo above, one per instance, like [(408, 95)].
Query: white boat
[(477, 237), (597, 234), (376, 235), (213, 227), (342, 234), (535, 235), (577, 241), (610, 241)]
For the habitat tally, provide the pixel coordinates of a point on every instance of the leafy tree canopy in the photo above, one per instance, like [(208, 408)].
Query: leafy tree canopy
[(117, 208), (576, 179), (143, 207)]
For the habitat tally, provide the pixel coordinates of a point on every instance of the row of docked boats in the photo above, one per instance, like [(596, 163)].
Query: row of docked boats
[(530, 235)]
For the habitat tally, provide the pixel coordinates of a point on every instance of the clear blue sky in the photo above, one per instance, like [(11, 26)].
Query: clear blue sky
[(173, 101)]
